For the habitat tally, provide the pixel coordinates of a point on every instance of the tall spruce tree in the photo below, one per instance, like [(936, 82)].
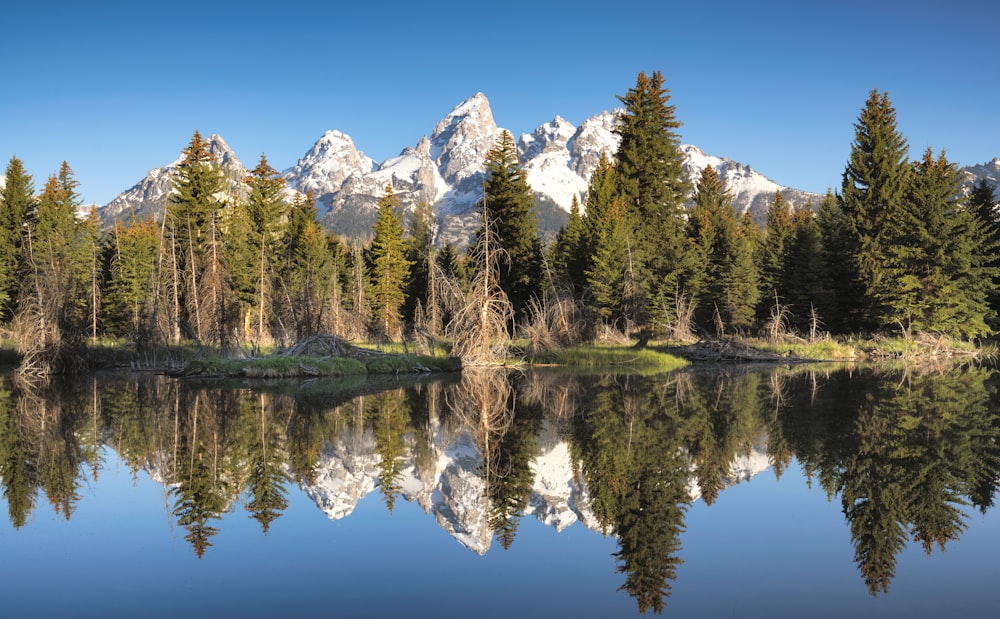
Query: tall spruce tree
[(711, 230), (508, 205), (778, 232), (390, 268), (937, 258), (982, 200), (193, 211), (567, 256), (872, 193), (653, 187), (17, 208), (54, 298), (266, 210), (803, 280)]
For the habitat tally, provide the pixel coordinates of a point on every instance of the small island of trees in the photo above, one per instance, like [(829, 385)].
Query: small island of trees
[(241, 265)]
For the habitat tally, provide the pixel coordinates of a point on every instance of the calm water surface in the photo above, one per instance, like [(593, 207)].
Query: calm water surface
[(768, 493)]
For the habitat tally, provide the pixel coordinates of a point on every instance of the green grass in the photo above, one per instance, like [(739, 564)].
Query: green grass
[(609, 357), (290, 367)]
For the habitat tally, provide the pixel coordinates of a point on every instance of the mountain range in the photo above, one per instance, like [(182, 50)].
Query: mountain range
[(446, 169)]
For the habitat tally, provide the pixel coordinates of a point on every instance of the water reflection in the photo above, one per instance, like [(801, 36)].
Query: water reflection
[(904, 452)]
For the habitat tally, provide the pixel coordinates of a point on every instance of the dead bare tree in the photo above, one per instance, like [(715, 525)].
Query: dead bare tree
[(480, 329)]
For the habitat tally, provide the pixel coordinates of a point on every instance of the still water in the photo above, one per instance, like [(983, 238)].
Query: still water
[(806, 492)]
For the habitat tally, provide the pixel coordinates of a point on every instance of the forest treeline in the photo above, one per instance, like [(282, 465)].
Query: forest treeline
[(901, 247)]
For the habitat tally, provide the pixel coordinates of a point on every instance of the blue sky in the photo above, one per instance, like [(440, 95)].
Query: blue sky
[(117, 88)]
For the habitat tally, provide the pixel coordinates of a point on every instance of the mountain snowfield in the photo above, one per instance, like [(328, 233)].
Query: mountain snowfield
[(446, 169), (449, 486)]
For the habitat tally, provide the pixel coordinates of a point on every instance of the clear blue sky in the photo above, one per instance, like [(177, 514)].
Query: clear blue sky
[(117, 88)]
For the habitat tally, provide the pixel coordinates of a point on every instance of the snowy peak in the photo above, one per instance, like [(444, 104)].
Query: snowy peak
[(989, 172), (331, 161), (462, 139), (550, 136)]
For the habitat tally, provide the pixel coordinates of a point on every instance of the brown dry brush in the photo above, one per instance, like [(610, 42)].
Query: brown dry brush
[(556, 320), (480, 328)]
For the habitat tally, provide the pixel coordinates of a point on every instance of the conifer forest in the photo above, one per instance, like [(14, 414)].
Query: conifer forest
[(901, 247)]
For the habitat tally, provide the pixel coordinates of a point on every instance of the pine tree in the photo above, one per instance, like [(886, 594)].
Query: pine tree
[(872, 192), (389, 267), (653, 187), (567, 255), (267, 210), (612, 278), (311, 285), (841, 283), (509, 207), (419, 251), (778, 232), (17, 208), (803, 278), (937, 254), (54, 298), (982, 200), (133, 250), (193, 212)]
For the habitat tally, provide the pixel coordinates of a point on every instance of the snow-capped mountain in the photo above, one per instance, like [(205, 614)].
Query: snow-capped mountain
[(989, 172), (751, 190), (149, 196)]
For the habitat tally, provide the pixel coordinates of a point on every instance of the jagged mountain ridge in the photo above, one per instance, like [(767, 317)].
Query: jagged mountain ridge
[(447, 170)]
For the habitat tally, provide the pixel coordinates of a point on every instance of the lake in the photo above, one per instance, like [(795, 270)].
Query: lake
[(808, 491)]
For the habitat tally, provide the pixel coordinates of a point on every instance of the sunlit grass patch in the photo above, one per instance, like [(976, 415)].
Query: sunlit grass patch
[(609, 356)]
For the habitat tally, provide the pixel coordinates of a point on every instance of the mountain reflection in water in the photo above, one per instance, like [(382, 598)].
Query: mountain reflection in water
[(908, 456)]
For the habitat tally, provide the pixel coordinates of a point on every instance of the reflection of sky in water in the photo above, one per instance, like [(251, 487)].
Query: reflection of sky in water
[(764, 549)]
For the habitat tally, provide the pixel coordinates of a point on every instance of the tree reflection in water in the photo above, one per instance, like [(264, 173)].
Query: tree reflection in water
[(904, 451)]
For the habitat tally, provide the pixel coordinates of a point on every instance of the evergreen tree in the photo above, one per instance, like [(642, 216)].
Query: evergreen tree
[(982, 200), (311, 283), (193, 211), (872, 192), (804, 269), (389, 269), (778, 232), (840, 277), (653, 187), (17, 208), (419, 251), (54, 298), (711, 232), (133, 250), (567, 255), (612, 277), (937, 258), (266, 210), (509, 207)]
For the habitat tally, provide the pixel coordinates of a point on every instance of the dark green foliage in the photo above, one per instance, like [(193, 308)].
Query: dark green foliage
[(872, 192), (803, 278), (17, 208), (778, 233), (193, 217), (722, 275), (134, 249), (938, 276), (510, 209), (982, 200), (419, 252), (653, 186), (567, 256), (390, 268)]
